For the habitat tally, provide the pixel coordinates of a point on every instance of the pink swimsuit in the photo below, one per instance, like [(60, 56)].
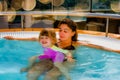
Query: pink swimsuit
[(55, 56)]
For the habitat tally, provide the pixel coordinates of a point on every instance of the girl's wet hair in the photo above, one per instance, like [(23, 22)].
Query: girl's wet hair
[(72, 25), (49, 33)]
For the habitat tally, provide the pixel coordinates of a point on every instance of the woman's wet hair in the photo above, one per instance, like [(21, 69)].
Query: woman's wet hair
[(72, 25), (49, 33)]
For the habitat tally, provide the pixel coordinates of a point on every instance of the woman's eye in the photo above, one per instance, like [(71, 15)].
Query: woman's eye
[(60, 30), (65, 31)]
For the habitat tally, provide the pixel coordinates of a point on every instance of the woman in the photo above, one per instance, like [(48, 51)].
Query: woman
[(68, 38)]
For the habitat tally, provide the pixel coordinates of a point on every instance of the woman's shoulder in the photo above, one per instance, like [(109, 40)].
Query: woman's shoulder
[(76, 43), (79, 43), (71, 47)]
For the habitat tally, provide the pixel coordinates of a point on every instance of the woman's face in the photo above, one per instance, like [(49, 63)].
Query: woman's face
[(45, 41), (65, 33)]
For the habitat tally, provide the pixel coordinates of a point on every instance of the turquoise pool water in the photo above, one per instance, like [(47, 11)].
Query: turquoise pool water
[(92, 64)]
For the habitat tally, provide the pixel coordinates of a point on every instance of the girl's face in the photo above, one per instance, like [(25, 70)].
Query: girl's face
[(65, 32), (45, 41)]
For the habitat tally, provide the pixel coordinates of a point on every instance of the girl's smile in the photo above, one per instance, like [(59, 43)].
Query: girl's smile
[(45, 41)]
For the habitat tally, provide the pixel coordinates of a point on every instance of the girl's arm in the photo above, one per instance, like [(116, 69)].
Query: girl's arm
[(68, 53), (70, 57), (59, 49)]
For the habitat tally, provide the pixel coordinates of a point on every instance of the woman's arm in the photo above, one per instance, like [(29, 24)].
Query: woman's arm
[(88, 44), (25, 39)]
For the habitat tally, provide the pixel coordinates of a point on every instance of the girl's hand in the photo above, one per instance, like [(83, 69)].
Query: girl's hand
[(70, 59)]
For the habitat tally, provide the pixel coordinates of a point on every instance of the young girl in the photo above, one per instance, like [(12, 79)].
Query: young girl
[(47, 39)]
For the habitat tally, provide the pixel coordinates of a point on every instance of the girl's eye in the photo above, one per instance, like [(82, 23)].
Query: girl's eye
[(41, 38), (46, 37)]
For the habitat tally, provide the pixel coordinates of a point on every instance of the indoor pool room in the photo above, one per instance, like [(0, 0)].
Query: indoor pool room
[(90, 27)]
